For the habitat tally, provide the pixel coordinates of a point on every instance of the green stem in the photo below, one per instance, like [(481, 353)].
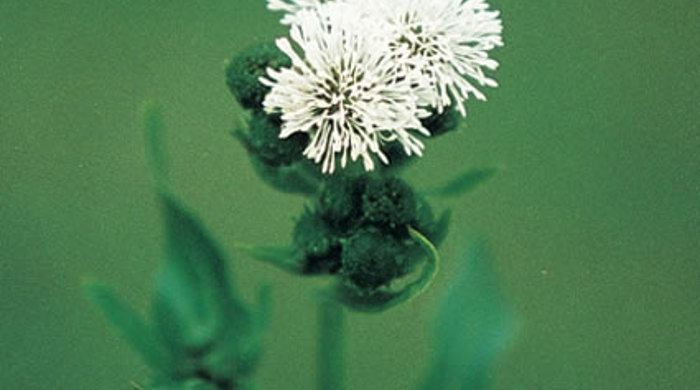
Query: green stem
[(331, 323)]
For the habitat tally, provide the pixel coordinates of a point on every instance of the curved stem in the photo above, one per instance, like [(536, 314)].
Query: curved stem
[(431, 268)]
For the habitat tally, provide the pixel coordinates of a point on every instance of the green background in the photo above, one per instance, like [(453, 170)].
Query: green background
[(594, 221)]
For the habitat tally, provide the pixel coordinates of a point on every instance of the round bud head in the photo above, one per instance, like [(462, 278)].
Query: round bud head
[(245, 69), (263, 140), (372, 259), (388, 203)]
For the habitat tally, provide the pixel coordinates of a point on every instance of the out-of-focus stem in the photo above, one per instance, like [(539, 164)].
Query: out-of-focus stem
[(331, 324)]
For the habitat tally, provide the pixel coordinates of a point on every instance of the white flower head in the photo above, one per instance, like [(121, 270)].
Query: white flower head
[(292, 7), (343, 90), (447, 40)]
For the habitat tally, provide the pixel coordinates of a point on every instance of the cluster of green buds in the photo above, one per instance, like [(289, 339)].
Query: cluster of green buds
[(370, 229)]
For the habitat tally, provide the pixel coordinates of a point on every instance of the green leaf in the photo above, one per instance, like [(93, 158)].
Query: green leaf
[(382, 300), (237, 351), (464, 183), (474, 326), (284, 257), (154, 135), (194, 299), (131, 325), (249, 350)]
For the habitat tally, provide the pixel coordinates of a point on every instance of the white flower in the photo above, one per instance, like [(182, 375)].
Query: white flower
[(292, 7), (447, 40), (342, 90)]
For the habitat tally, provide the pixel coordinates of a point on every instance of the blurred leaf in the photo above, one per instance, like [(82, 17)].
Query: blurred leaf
[(283, 257), (131, 325), (464, 183), (249, 350), (193, 296), (192, 293), (201, 329), (473, 326), (154, 131), (383, 300), (237, 351)]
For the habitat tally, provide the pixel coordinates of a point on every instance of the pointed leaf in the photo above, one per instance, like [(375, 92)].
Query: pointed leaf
[(131, 325), (473, 327), (464, 183), (194, 298), (283, 257), (237, 351), (155, 144)]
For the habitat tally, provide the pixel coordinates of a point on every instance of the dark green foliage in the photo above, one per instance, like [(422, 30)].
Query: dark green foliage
[(388, 203), (473, 327), (340, 202), (397, 156), (245, 69), (381, 299), (441, 123), (316, 244), (437, 124), (423, 218), (293, 179), (263, 141), (372, 258), (424, 221), (277, 161), (360, 228)]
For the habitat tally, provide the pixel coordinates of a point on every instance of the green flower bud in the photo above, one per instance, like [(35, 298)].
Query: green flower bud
[(263, 141), (388, 203), (372, 259), (441, 123), (315, 242), (245, 69)]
